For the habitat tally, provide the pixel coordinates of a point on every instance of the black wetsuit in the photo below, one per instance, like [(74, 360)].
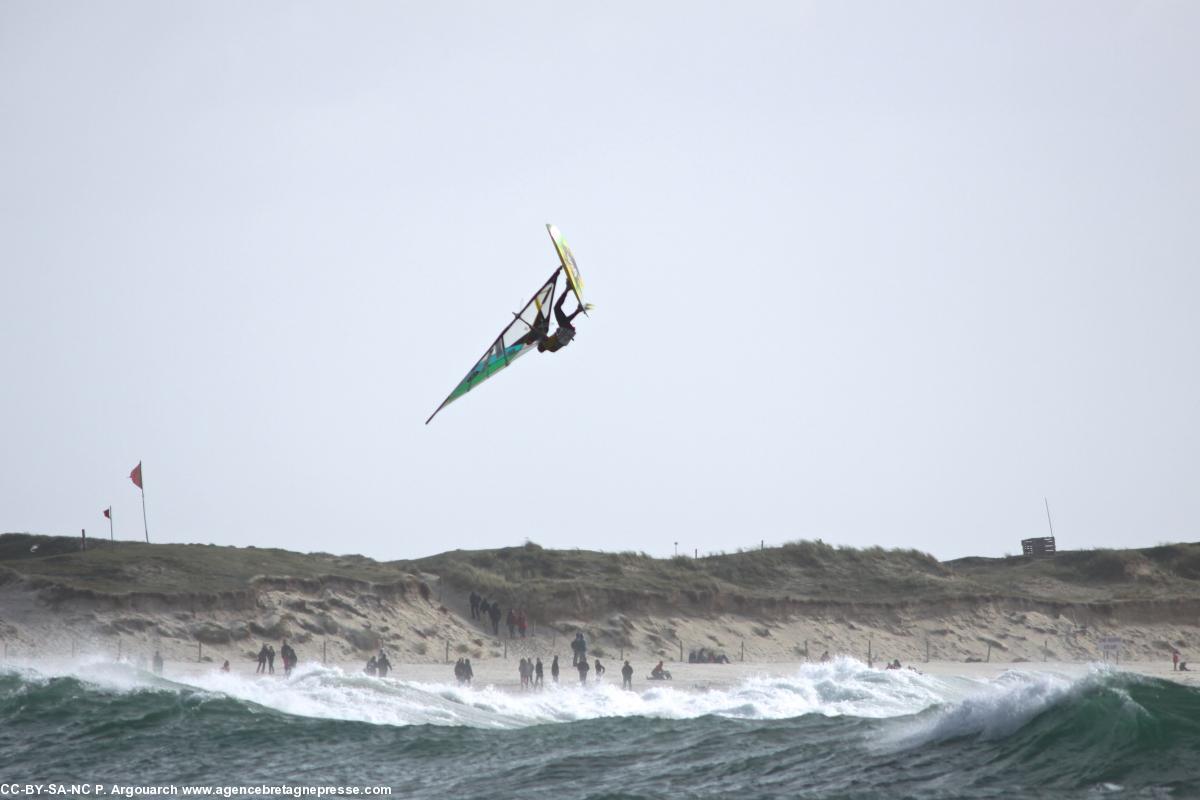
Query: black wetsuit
[(565, 331)]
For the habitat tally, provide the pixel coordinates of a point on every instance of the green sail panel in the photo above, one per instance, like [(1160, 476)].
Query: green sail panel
[(510, 345)]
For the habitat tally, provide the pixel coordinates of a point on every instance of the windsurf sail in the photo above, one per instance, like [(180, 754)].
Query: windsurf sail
[(574, 279), (512, 343)]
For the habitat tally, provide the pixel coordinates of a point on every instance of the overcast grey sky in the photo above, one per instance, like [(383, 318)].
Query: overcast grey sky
[(879, 273)]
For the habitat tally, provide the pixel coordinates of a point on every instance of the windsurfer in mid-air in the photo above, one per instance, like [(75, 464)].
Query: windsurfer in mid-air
[(540, 331)]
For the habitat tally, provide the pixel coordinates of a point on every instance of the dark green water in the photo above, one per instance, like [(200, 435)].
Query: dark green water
[(1107, 735)]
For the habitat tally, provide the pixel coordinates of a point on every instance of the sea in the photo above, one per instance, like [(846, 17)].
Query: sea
[(837, 729)]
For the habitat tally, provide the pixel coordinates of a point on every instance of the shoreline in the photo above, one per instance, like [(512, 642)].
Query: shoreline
[(501, 674)]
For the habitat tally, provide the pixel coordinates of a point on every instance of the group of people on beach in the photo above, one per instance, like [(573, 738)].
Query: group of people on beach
[(266, 659), (463, 671), (378, 665), (487, 611), (531, 672)]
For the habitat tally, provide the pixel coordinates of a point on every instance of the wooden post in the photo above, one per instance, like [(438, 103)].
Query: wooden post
[(325, 652), (743, 649), (806, 650), (989, 655), (870, 658), (1046, 650), (926, 649), (680, 651), (447, 651)]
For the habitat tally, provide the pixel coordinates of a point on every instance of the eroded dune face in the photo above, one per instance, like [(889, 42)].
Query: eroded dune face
[(786, 604)]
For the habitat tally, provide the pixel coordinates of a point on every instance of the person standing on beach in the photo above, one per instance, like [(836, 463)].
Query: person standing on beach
[(382, 664), (271, 660), (537, 675), (1174, 660), (554, 669), (289, 657), (495, 619), (522, 622), (627, 677), (583, 668), (467, 671), (599, 670), (579, 648), (262, 660), (158, 663), (475, 598), (511, 622)]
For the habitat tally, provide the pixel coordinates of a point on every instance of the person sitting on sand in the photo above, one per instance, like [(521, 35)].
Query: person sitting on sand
[(824, 656), (659, 674), (893, 665), (1183, 667), (225, 667)]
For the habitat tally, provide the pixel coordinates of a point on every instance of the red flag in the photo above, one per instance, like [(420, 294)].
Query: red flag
[(136, 475), (108, 512)]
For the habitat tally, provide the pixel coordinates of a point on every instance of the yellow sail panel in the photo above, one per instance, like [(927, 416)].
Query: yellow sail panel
[(568, 261)]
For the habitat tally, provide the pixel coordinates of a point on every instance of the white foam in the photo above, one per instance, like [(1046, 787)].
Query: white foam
[(996, 709), (841, 687)]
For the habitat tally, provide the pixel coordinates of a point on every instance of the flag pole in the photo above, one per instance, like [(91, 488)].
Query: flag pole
[(145, 525)]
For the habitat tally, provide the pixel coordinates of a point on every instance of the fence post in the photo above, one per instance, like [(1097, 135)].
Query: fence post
[(926, 649), (680, 651), (806, 658), (1045, 650), (447, 651), (325, 652), (870, 658), (989, 655)]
